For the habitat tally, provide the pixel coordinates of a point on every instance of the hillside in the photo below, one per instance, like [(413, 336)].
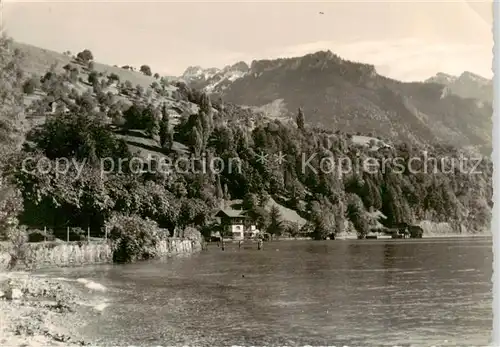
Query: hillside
[(334, 94), (39, 60), (351, 97), (467, 85), (129, 87), (80, 113)]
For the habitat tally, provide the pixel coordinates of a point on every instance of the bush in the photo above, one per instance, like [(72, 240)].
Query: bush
[(191, 233), (36, 236), (292, 229), (93, 78), (139, 117), (139, 90), (31, 85), (73, 94), (97, 88), (77, 234), (73, 75), (106, 99), (145, 69), (118, 119), (128, 84), (114, 77), (18, 237), (85, 56), (133, 238)]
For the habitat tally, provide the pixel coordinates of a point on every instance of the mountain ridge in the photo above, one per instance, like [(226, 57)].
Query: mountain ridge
[(199, 76), (334, 93), (343, 95), (466, 85)]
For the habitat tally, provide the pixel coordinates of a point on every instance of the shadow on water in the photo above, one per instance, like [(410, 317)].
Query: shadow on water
[(389, 254)]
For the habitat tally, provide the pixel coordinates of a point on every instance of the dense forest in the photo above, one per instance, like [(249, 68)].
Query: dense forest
[(90, 129)]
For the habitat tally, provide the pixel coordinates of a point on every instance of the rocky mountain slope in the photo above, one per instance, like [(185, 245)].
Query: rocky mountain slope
[(214, 80), (352, 97), (334, 93), (467, 85)]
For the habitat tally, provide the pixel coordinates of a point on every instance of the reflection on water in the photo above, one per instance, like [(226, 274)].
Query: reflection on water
[(384, 293)]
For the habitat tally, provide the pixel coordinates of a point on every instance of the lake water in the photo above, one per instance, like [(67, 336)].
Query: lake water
[(355, 293)]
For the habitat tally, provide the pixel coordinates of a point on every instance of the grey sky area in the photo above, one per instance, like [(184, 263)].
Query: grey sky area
[(404, 40)]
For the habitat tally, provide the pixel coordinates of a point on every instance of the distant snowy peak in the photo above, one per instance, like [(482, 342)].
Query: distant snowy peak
[(197, 72), (467, 85), (469, 77), (442, 78), (214, 80), (465, 77)]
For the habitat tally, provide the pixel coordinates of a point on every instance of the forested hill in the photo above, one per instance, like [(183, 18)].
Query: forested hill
[(98, 118), (352, 97)]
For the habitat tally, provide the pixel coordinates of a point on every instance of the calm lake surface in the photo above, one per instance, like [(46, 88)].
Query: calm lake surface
[(356, 293)]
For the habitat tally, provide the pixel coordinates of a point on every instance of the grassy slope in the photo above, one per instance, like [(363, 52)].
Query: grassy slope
[(37, 61), (287, 215)]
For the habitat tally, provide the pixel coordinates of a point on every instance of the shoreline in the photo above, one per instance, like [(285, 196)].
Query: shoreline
[(41, 311), (384, 237)]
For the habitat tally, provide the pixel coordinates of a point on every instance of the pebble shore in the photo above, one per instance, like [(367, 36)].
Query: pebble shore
[(37, 311)]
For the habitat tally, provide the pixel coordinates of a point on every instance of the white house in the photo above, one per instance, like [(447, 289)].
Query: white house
[(233, 223)]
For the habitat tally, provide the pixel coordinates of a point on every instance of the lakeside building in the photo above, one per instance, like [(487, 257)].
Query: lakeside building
[(234, 223)]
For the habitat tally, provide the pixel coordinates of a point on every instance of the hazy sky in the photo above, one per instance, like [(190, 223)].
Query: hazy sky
[(408, 40)]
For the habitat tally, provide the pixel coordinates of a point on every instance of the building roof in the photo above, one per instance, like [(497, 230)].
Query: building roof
[(228, 212)]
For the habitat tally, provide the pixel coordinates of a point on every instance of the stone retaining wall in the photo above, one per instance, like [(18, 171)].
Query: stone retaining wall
[(47, 254)]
